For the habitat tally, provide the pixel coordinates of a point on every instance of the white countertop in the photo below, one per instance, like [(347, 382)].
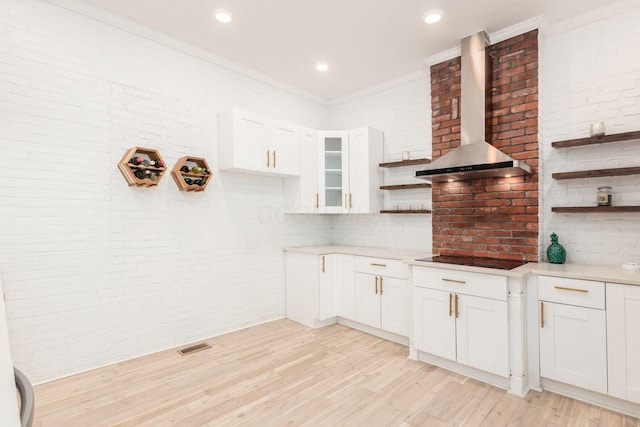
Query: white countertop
[(399, 254), (602, 273)]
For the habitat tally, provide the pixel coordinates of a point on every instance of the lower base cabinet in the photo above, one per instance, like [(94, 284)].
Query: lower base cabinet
[(381, 302), (623, 341), (319, 287), (468, 329), (573, 332), (573, 346), (382, 294)]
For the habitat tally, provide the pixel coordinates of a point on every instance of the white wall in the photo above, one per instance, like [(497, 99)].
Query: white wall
[(591, 72), (403, 112), (96, 271)]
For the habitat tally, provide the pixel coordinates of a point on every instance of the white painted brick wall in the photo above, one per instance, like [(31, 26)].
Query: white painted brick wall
[(96, 271), (404, 114), (591, 73)]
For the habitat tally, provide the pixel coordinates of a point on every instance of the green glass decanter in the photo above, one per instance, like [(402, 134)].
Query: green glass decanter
[(556, 254)]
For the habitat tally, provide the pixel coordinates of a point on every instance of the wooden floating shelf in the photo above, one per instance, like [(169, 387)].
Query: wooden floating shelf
[(406, 211), (596, 173), (593, 209), (405, 163), (405, 186), (616, 137)]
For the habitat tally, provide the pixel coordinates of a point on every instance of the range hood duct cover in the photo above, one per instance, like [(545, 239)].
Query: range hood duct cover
[(474, 158)]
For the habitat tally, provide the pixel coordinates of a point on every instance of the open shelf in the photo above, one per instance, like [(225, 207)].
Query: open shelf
[(405, 163), (406, 211), (596, 173), (142, 174), (405, 186), (593, 209), (188, 179), (616, 137)]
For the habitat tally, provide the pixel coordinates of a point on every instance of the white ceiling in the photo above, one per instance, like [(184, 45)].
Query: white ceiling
[(365, 42)]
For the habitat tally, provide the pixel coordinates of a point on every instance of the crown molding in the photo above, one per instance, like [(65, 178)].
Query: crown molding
[(497, 37), (591, 16), (418, 75), (124, 24)]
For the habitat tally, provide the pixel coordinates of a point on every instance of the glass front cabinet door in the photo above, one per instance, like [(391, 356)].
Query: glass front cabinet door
[(334, 171)]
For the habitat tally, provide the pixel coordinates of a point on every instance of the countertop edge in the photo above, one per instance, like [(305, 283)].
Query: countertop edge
[(396, 254)]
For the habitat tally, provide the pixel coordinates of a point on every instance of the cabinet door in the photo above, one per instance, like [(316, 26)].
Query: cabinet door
[(394, 300), (346, 301), (365, 154), (482, 334), (284, 145), (309, 196), (333, 159), (367, 299), (434, 325), (573, 345), (250, 138), (302, 287), (623, 341), (326, 292)]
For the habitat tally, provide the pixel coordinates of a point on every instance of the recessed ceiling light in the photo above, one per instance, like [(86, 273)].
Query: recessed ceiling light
[(322, 67), (223, 16), (432, 16)]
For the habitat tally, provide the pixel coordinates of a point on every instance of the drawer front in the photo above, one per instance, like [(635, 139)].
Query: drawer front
[(382, 267), (581, 293), (461, 282)]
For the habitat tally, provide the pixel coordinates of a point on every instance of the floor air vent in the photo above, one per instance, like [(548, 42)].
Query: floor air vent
[(194, 349)]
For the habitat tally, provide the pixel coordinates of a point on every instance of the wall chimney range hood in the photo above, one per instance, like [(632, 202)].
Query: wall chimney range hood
[(474, 158)]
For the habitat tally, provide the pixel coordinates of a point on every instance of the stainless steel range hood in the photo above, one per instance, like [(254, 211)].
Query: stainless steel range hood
[(474, 158)]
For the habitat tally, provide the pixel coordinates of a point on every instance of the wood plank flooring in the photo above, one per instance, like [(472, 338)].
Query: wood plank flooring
[(282, 373)]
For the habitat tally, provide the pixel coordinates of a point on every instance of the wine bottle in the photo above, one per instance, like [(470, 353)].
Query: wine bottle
[(184, 169)]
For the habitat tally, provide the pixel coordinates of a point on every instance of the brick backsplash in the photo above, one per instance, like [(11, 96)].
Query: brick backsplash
[(491, 217)]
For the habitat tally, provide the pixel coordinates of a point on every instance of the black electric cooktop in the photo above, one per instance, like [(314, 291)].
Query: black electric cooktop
[(500, 264)]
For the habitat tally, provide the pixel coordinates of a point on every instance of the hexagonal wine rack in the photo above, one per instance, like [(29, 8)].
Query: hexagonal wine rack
[(191, 173), (142, 167)]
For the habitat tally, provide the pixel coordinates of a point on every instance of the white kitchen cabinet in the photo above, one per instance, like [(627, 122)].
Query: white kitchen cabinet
[(381, 298), (9, 412), (573, 335), (365, 176), (623, 341), (319, 287), (345, 286), (462, 316), (349, 177), (253, 143), (333, 162), (301, 194)]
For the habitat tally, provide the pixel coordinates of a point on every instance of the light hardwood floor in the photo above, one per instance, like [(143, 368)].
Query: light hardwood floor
[(282, 373)]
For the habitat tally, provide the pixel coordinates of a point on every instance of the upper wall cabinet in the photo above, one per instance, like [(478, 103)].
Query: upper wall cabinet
[(302, 194), (253, 143), (349, 177)]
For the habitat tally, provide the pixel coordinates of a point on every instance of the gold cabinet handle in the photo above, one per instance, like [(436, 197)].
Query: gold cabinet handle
[(268, 158), (350, 200), (274, 158), (562, 288), (378, 265), (317, 200), (541, 314), (462, 282), (380, 285), (450, 305), (457, 312), (376, 285), (323, 264), (345, 200)]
